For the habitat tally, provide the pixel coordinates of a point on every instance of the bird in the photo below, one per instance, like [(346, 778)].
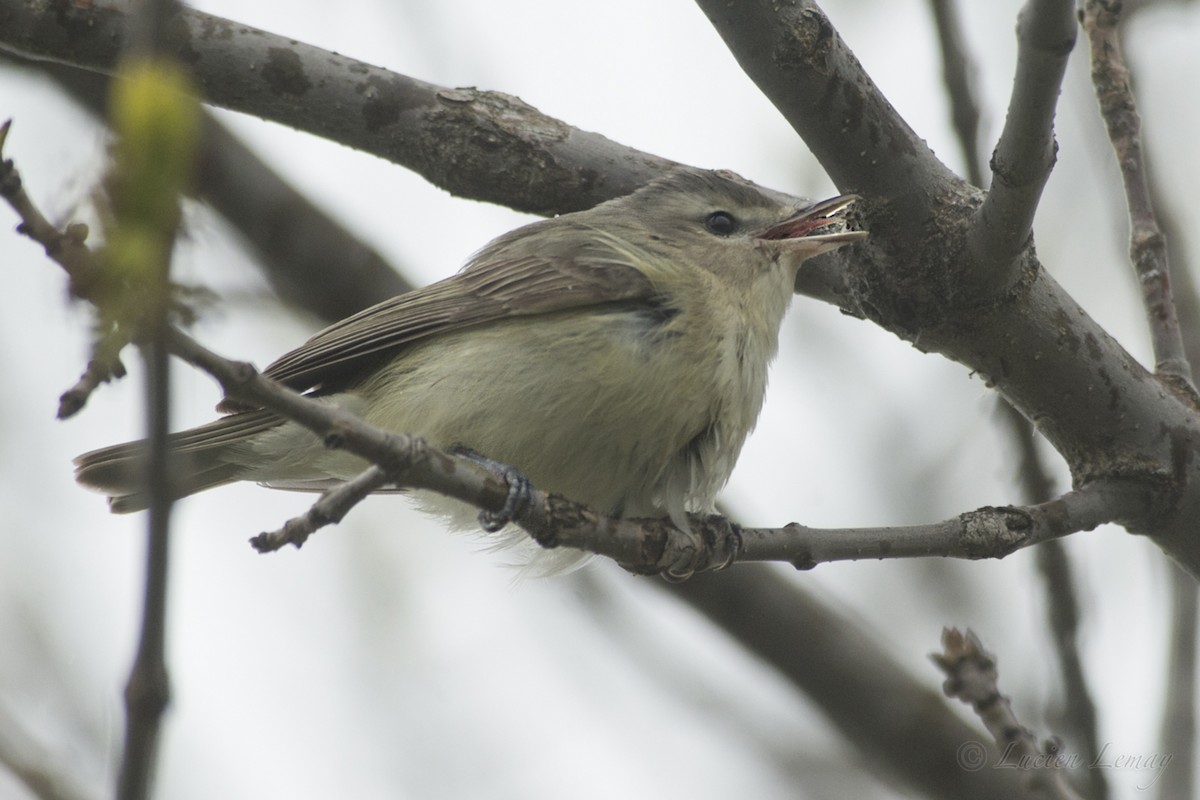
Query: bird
[(616, 355)]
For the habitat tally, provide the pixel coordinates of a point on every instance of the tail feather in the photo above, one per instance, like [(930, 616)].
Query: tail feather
[(200, 459)]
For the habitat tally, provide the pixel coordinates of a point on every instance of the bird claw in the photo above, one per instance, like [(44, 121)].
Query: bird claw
[(520, 491), (519, 495)]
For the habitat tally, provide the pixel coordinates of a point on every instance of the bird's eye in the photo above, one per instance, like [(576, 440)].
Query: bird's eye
[(721, 223)]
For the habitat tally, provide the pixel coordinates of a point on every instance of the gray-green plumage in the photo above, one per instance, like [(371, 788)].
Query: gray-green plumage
[(616, 355)]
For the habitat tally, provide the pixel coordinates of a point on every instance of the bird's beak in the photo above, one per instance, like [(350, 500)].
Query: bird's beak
[(818, 228)]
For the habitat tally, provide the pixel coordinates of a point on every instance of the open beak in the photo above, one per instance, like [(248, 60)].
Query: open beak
[(820, 227)]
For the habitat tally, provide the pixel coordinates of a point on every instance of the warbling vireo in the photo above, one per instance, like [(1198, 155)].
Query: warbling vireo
[(617, 356)]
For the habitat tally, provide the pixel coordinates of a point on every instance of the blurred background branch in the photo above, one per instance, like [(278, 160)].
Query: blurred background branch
[(885, 597)]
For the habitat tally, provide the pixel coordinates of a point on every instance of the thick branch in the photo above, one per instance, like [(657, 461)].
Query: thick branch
[(919, 278), (798, 60), (482, 145), (310, 258)]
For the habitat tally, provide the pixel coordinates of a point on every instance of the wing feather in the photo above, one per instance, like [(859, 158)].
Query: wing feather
[(504, 280)]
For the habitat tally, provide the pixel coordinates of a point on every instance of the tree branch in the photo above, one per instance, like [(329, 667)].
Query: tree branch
[(1149, 255), (918, 278), (482, 145), (971, 677), (1147, 245), (957, 73), (104, 365), (1026, 151), (330, 509), (989, 532), (147, 691), (1178, 732)]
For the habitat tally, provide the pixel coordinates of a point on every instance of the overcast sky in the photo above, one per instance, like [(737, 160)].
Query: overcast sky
[(390, 659)]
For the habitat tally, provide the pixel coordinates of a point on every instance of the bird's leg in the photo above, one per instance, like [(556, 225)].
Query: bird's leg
[(519, 490)]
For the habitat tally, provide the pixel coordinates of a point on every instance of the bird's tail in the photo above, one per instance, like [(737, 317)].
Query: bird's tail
[(200, 459)]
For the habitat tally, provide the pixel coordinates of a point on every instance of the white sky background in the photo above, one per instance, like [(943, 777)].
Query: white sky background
[(389, 659)]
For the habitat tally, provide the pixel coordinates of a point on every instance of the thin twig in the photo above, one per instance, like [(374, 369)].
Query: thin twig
[(1149, 255), (971, 676), (65, 247), (1147, 245), (957, 73), (104, 366), (1025, 154), (329, 509), (990, 532)]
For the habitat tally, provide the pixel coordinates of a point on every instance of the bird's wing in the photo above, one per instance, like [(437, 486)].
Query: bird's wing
[(491, 288)]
